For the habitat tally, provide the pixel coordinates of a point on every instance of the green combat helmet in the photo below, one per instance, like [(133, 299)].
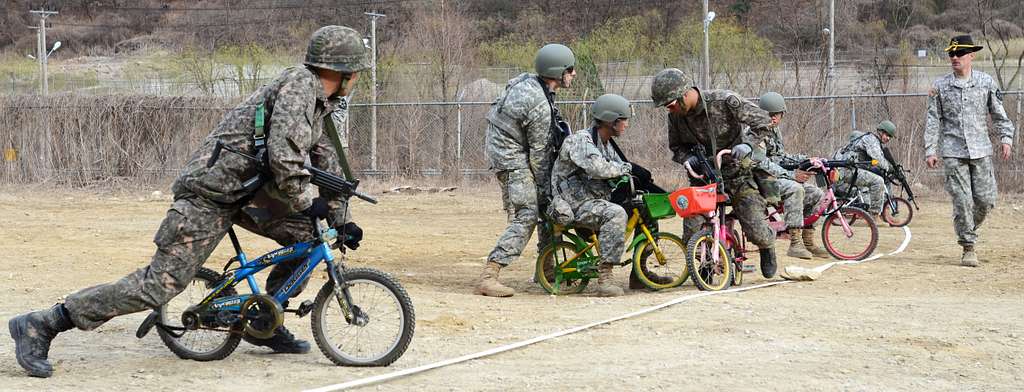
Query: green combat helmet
[(553, 60), (668, 85), (610, 107), (772, 102), (888, 127), (338, 48)]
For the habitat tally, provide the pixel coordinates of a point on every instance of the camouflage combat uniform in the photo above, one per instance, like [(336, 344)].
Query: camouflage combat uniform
[(956, 131), (519, 146), (209, 200), (722, 115), (799, 200), (581, 192), (865, 146)]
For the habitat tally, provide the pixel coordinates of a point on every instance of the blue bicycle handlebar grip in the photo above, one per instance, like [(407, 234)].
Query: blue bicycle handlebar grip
[(216, 154)]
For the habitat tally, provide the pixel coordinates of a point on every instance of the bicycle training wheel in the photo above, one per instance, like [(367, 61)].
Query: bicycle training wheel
[(197, 344), (900, 215), (555, 256), (665, 270), (381, 324), (858, 243), (708, 274)]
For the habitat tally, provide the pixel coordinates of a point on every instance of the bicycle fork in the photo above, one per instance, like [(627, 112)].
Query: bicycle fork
[(353, 314)]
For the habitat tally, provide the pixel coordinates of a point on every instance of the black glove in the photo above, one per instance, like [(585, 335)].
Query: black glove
[(696, 163), (353, 234), (318, 209), (641, 174)]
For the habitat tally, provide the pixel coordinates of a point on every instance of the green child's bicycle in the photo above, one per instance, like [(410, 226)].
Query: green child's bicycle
[(659, 258)]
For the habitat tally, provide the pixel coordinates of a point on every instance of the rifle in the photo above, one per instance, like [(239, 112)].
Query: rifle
[(898, 176)]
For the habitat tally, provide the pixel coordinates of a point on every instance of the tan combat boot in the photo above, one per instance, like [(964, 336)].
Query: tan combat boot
[(489, 284), (796, 246), (606, 286), (816, 250), (969, 258)]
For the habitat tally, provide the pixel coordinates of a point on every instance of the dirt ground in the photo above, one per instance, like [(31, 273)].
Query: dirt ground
[(911, 322)]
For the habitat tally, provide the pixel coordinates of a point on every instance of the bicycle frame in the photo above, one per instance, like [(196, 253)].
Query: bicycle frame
[(314, 252), (593, 244)]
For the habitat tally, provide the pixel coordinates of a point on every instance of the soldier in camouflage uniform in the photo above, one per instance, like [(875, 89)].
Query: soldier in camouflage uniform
[(800, 197), (867, 146), (714, 120), (956, 132), (581, 190), (209, 200), (520, 144)]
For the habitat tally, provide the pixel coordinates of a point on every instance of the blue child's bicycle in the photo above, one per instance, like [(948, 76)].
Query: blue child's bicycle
[(360, 317)]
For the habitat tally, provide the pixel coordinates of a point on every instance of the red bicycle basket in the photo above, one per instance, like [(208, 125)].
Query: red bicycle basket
[(693, 201)]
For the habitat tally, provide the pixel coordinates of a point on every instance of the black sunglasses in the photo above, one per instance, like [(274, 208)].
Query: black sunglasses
[(569, 69), (959, 53)]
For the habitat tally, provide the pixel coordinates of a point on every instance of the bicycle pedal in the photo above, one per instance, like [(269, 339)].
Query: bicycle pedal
[(304, 308)]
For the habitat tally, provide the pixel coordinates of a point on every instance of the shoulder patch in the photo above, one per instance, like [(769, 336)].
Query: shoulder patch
[(733, 102)]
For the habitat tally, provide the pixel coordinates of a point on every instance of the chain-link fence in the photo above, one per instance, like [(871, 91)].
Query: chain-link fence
[(81, 140)]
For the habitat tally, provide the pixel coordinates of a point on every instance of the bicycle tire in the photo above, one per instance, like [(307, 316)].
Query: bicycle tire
[(384, 283), (672, 247), (902, 217), (854, 214), (209, 278), (551, 256), (703, 269)]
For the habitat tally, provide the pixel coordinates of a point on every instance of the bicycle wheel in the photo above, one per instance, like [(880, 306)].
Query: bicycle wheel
[(383, 320), (198, 344), (555, 255), (665, 270), (861, 240), (708, 274), (900, 215)]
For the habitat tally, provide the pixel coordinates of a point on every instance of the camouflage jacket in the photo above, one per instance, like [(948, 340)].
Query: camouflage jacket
[(519, 134), (956, 125), (722, 115), (864, 146), (775, 152), (295, 108), (583, 167)]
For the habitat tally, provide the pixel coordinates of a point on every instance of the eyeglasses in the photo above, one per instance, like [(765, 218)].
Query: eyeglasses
[(958, 53)]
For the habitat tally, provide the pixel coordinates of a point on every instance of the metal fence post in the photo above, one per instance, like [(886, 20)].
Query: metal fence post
[(853, 114), (458, 136)]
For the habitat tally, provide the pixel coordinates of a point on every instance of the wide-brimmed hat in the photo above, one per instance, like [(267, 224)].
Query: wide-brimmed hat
[(964, 42)]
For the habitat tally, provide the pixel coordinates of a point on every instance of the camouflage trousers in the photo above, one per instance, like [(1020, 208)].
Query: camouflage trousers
[(609, 221), (187, 236), (972, 185), (519, 196), (798, 201), (748, 206), (870, 185)]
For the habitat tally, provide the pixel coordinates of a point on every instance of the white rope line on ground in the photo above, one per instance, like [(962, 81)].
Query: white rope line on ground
[(419, 369)]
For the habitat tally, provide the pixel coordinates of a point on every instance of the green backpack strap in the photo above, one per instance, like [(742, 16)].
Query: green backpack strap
[(332, 132), (259, 134)]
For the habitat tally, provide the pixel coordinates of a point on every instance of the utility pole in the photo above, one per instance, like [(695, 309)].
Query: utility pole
[(41, 49), (373, 88), (706, 74), (830, 78)]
